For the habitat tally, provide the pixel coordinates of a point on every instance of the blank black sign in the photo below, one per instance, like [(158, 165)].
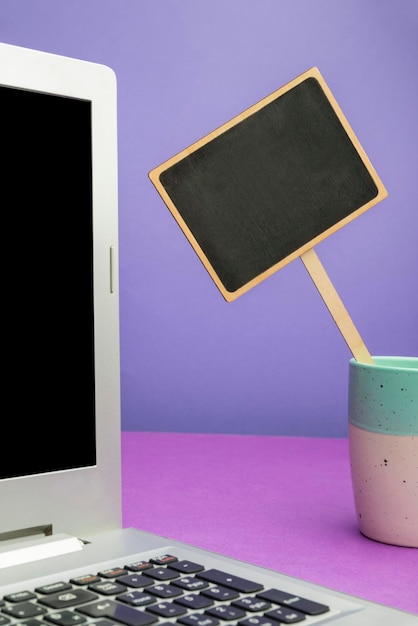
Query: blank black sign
[(269, 184)]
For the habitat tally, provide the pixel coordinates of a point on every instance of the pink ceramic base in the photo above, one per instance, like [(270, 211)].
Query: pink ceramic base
[(384, 472)]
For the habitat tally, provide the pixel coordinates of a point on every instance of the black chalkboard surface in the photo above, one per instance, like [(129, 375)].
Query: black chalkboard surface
[(268, 185)]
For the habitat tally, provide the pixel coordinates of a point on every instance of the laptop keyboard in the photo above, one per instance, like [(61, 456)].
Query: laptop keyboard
[(164, 590)]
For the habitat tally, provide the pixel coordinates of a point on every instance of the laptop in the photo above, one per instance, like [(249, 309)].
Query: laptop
[(64, 557)]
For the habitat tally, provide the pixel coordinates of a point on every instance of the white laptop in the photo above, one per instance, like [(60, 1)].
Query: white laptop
[(64, 557)]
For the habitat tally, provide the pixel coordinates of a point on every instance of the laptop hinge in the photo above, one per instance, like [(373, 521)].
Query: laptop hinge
[(27, 533), (28, 550)]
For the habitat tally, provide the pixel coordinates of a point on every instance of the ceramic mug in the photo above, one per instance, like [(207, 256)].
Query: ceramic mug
[(383, 442)]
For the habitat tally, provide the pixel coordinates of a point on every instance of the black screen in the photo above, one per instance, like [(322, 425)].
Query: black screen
[(48, 416)]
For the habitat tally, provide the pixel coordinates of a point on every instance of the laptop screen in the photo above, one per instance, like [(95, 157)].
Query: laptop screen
[(47, 171), (61, 389)]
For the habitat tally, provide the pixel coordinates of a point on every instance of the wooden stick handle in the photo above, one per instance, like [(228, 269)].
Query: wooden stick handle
[(336, 307)]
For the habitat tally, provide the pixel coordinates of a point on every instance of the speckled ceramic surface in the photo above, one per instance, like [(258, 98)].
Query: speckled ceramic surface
[(383, 436)]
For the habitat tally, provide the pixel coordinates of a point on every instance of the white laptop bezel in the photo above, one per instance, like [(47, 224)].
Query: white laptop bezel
[(87, 500)]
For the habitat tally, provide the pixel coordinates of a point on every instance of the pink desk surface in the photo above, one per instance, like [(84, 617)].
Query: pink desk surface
[(284, 503)]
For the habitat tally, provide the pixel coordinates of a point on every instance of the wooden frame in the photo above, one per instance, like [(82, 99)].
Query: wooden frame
[(157, 174), (267, 186)]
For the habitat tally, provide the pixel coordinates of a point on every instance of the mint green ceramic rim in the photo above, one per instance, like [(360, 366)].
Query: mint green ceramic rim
[(383, 396), (389, 362)]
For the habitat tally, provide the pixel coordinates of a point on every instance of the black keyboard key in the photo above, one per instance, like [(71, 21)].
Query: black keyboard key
[(53, 588), (161, 573), (195, 601), (5, 620), (286, 616), (198, 620), (229, 580), (165, 591), (186, 567), (139, 566), (24, 610), (113, 572), (135, 580), (20, 596), (167, 609), (226, 613), (107, 588), (136, 598), (258, 620), (119, 612), (86, 579), (64, 600), (164, 559), (65, 618), (190, 583), (221, 593), (299, 604), (253, 605)]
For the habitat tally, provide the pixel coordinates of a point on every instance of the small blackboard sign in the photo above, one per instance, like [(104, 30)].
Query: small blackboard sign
[(269, 184)]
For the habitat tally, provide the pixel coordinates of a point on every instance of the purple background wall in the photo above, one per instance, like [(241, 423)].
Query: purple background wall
[(273, 362)]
